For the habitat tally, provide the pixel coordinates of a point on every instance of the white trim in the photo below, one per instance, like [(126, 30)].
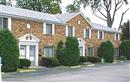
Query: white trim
[(118, 36), (90, 32), (28, 43), (73, 31), (44, 28), (102, 34), (53, 29), (98, 35), (66, 30), (84, 33), (9, 23)]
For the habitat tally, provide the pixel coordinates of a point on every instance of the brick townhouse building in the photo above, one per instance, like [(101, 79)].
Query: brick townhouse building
[(38, 33)]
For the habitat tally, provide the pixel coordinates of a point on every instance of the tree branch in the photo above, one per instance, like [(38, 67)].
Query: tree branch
[(100, 17), (102, 13), (122, 18)]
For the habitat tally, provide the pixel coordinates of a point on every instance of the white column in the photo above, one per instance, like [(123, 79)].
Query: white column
[(27, 51), (36, 56), (53, 29), (44, 28), (9, 23)]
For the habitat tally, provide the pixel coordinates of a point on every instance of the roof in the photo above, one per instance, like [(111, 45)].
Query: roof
[(24, 13), (103, 28), (66, 16)]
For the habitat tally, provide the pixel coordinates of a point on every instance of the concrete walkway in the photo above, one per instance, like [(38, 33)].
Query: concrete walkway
[(99, 73)]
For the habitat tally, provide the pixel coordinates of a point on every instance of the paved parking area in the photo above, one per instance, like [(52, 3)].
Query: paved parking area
[(99, 73)]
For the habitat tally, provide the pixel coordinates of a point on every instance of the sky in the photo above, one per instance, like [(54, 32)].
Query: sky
[(88, 13)]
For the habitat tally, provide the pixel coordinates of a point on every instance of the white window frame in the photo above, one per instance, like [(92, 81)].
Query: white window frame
[(102, 34), (52, 52), (90, 33), (44, 28), (117, 37), (73, 29)]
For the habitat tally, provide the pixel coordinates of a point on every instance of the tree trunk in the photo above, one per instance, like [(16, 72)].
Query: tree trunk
[(109, 21)]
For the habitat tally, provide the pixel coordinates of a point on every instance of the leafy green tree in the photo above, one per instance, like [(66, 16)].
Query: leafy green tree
[(125, 31), (71, 8), (46, 6), (9, 51), (5, 2), (106, 51), (60, 51), (125, 49), (106, 8), (71, 55)]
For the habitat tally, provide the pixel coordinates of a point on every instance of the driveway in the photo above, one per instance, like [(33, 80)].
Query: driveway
[(99, 73)]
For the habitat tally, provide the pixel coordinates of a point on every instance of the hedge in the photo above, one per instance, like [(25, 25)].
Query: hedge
[(9, 51), (24, 63), (93, 59), (106, 51), (125, 49)]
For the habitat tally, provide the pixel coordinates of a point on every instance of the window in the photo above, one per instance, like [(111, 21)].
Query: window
[(117, 36), (90, 51), (3, 23), (116, 52), (100, 35), (87, 33), (81, 51), (48, 29), (70, 31), (23, 51), (49, 52)]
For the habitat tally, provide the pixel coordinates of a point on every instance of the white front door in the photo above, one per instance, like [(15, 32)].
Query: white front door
[(32, 52), (28, 52)]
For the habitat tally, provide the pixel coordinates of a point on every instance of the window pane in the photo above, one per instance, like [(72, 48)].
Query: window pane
[(23, 51), (81, 51), (1, 22), (90, 51), (5, 23), (87, 33), (48, 52), (70, 31), (49, 29), (100, 35)]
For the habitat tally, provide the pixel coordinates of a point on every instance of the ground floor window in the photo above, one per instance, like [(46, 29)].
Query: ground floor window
[(90, 51), (49, 51), (81, 51)]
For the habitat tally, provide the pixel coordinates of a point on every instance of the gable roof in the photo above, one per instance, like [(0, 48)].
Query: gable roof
[(68, 16), (24, 13), (103, 28)]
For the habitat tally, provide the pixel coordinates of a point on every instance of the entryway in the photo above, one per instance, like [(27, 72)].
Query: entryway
[(28, 48)]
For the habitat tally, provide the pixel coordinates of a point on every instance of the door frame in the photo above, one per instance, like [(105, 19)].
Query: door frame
[(28, 42)]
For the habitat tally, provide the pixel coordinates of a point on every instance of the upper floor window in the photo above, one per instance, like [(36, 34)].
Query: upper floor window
[(49, 51), (3, 23), (87, 33), (48, 29), (70, 31), (117, 36), (100, 35)]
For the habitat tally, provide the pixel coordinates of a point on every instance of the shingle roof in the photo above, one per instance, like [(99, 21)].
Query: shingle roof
[(103, 28), (24, 13), (66, 16)]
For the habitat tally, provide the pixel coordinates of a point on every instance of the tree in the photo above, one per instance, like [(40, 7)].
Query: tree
[(71, 55), (71, 8), (5, 2), (125, 31), (125, 49), (46, 6), (106, 8), (106, 51), (60, 51), (9, 51)]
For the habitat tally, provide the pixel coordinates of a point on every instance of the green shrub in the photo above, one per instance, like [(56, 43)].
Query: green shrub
[(71, 54), (125, 49), (106, 51), (51, 62), (24, 63), (122, 58), (83, 59), (9, 51), (60, 51), (94, 59)]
